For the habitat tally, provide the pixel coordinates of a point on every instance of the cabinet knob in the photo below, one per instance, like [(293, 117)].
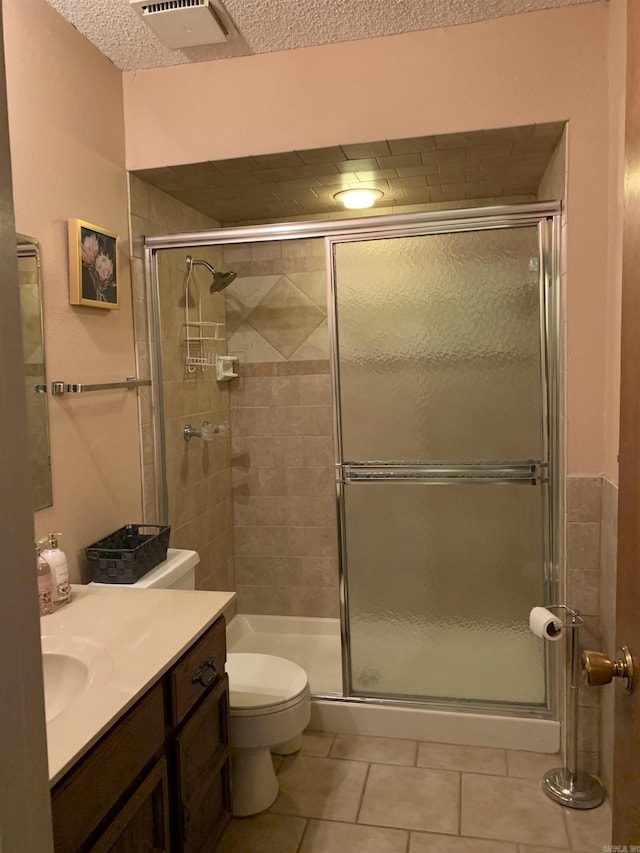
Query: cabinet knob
[(599, 669), (206, 673)]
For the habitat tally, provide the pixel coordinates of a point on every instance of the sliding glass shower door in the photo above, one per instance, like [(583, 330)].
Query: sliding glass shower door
[(443, 462)]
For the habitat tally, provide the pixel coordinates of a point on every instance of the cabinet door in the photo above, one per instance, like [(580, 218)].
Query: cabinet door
[(142, 824), (202, 764), (84, 798)]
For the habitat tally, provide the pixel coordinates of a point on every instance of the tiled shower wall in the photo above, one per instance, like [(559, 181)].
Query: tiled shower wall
[(285, 528), (198, 472), (37, 420), (591, 568)]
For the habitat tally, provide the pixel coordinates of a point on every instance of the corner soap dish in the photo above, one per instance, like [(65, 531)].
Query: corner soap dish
[(224, 368)]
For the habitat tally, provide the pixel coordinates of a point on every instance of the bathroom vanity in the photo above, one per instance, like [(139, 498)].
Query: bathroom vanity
[(155, 773)]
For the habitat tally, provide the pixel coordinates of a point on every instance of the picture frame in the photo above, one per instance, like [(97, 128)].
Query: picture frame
[(94, 265)]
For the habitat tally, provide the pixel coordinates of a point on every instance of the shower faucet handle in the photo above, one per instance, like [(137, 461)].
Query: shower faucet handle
[(599, 669), (205, 432)]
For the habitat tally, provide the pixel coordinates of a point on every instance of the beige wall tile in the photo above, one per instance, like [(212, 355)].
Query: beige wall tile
[(583, 545), (583, 591), (584, 499)]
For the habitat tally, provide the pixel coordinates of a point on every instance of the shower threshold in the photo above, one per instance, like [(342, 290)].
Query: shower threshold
[(314, 644)]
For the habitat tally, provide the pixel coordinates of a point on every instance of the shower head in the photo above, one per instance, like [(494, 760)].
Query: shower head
[(220, 279)]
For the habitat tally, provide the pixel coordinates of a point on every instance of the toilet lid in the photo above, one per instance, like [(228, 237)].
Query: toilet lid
[(260, 681)]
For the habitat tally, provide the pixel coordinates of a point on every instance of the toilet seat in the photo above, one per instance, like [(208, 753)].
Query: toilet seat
[(264, 684)]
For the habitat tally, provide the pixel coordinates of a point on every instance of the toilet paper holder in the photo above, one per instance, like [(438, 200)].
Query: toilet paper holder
[(568, 785)]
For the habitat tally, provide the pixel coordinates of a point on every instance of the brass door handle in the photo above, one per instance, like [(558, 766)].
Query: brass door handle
[(598, 669)]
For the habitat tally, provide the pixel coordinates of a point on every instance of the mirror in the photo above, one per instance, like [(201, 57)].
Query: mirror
[(34, 369)]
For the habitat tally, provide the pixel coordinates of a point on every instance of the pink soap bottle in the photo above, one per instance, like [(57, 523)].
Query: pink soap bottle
[(45, 586)]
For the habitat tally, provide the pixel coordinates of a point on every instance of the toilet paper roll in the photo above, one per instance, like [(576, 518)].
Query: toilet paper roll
[(544, 624)]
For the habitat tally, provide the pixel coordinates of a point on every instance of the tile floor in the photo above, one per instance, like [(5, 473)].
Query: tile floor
[(355, 794)]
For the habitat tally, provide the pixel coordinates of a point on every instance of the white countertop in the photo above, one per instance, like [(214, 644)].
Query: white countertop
[(128, 638)]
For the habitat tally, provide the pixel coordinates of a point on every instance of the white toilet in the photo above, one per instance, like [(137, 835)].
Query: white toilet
[(269, 701), (269, 706)]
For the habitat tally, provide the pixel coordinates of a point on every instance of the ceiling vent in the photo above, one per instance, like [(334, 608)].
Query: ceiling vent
[(182, 23)]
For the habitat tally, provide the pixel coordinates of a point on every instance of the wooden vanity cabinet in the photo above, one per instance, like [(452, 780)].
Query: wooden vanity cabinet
[(158, 781)]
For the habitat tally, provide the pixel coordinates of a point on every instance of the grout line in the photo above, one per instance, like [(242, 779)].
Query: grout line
[(364, 787), (460, 807), (304, 832), (408, 847), (566, 826)]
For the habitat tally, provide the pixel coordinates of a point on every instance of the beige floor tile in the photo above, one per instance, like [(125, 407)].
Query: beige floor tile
[(423, 842), (528, 848), (510, 809), (316, 743), (265, 833), (381, 750), (472, 759), (589, 829), (320, 787), (531, 765), (411, 798), (330, 837)]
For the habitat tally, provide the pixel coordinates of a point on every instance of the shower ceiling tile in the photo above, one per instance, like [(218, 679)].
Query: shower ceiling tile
[(285, 317), (302, 183)]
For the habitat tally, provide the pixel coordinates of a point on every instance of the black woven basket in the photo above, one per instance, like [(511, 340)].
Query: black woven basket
[(128, 554)]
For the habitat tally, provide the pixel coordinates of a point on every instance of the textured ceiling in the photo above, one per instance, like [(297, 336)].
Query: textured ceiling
[(483, 166), (264, 26)]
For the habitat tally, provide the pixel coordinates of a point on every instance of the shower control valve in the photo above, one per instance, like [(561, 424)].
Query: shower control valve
[(599, 669)]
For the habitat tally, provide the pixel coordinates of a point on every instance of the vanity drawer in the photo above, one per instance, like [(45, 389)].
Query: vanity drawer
[(87, 794), (201, 667)]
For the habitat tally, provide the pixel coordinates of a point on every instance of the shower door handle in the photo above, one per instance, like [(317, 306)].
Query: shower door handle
[(532, 472)]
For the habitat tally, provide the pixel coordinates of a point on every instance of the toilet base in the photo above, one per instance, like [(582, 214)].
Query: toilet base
[(289, 746), (254, 786)]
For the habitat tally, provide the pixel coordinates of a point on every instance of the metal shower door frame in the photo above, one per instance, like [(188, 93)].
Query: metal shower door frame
[(358, 228), (546, 217)]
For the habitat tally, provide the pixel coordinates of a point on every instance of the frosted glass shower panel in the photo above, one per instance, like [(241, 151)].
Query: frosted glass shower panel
[(440, 346), (441, 580)]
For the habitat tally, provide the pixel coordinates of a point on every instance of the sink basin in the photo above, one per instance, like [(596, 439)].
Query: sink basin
[(65, 677), (72, 667)]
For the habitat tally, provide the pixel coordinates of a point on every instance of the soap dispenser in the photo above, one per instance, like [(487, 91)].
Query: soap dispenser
[(57, 560), (44, 583)]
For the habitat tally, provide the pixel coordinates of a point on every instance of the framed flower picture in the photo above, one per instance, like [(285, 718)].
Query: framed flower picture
[(93, 266)]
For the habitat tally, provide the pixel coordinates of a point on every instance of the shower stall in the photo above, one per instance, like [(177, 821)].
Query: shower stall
[(443, 342)]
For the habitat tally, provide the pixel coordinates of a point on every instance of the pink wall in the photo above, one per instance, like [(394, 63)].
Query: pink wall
[(67, 145), (536, 67), (617, 89)]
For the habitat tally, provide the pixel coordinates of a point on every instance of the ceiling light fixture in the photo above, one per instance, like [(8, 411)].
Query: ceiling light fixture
[(359, 198)]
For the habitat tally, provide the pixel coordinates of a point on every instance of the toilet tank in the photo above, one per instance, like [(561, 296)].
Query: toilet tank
[(178, 571)]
